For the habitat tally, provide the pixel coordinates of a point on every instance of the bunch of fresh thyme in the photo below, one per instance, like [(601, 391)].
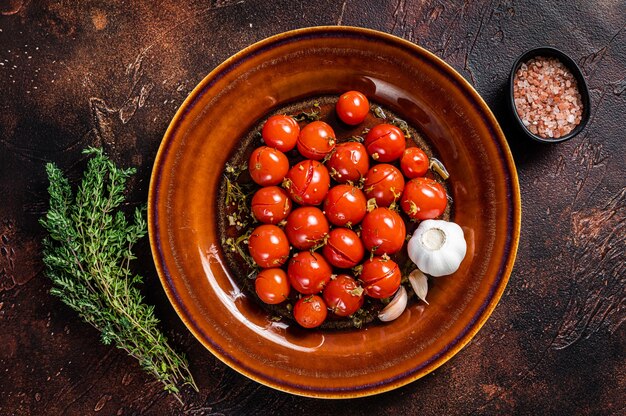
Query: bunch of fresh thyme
[(87, 255)]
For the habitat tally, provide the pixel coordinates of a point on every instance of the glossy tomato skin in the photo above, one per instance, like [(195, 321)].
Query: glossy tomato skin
[(272, 286), (316, 140), (267, 166), (308, 272), (310, 311), (352, 107), (383, 231), (384, 183), (381, 277), (343, 296), (349, 162), (306, 227), (281, 132), (424, 199), (385, 143), (344, 248), (308, 182), (345, 205), (271, 204), (268, 246), (414, 162)]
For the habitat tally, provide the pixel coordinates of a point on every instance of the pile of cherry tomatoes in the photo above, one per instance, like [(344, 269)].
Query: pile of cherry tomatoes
[(332, 208)]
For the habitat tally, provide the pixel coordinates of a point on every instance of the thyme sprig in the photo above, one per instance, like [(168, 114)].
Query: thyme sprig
[(236, 244), (311, 115), (355, 138), (236, 198), (402, 125), (359, 318), (87, 254), (239, 214), (378, 112), (235, 170)]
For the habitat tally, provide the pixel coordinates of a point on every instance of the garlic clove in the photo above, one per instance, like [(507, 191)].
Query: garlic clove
[(437, 247), (419, 283), (395, 308)]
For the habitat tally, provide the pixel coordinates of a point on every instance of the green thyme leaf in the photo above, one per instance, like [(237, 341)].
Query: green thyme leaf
[(87, 254), (311, 115), (378, 112)]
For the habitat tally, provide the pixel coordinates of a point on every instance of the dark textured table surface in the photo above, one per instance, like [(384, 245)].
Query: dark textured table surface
[(112, 74)]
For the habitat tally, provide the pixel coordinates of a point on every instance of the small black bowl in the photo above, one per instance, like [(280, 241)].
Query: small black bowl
[(582, 88)]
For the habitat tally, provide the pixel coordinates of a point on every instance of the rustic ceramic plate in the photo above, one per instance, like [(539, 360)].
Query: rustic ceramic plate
[(294, 66)]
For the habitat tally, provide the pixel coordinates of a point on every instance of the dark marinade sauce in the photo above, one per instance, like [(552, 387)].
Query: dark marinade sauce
[(322, 107)]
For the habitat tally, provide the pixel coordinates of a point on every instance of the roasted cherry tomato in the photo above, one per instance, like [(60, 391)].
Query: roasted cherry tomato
[(424, 199), (272, 286), (310, 311), (281, 132), (308, 182), (414, 162), (385, 142), (343, 248), (383, 231), (343, 295), (306, 227), (316, 140), (352, 107), (349, 162), (308, 272), (268, 246), (385, 183), (268, 166), (271, 204), (381, 277), (345, 205)]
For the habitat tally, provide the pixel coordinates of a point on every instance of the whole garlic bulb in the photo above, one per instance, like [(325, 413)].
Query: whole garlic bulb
[(437, 247)]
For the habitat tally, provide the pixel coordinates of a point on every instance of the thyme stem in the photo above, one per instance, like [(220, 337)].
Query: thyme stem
[(87, 256)]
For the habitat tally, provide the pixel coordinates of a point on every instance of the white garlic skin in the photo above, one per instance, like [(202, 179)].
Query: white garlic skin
[(437, 247), (419, 283), (395, 308)]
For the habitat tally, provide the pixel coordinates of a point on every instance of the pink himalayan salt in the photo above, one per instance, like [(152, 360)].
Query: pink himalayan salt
[(546, 97)]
